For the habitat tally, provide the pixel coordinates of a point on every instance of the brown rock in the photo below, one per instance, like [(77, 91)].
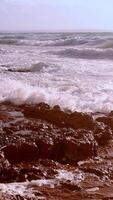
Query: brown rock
[(45, 146), (3, 161), (70, 186), (80, 147), (106, 120), (58, 117), (21, 152), (103, 134), (79, 120), (8, 174)]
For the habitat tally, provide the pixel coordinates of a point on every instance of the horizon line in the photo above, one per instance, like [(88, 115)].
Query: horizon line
[(57, 30)]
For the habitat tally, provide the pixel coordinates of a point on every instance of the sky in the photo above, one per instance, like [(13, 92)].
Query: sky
[(53, 15)]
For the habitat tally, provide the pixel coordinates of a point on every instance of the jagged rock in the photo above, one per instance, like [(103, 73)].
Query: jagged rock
[(70, 186), (8, 174), (103, 134), (106, 120), (99, 167), (45, 146), (58, 117), (4, 163), (21, 152), (80, 147), (43, 140)]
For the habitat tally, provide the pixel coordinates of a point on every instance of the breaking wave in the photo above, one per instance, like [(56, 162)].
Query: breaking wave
[(9, 41), (69, 42), (107, 45), (20, 92), (58, 39), (37, 67), (85, 53)]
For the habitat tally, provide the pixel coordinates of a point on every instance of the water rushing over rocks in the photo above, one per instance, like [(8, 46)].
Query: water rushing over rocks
[(46, 153)]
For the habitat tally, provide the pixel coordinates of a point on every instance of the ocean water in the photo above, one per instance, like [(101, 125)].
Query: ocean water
[(73, 70)]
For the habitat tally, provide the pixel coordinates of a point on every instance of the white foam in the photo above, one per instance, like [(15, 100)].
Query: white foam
[(82, 85), (28, 189), (73, 176), (94, 189), (25, 189), (16, 189)]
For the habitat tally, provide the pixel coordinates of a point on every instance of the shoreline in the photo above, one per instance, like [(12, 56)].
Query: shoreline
[(51, 154)]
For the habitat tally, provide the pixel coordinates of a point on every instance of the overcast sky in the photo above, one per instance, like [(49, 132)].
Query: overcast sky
[(21, 15)]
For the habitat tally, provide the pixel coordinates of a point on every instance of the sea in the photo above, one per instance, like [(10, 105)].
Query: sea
[(72, 70)]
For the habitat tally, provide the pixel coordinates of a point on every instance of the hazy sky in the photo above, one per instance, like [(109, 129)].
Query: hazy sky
[(56, 14)]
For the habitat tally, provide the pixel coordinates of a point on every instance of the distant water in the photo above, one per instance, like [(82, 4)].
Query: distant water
[(74, 70)]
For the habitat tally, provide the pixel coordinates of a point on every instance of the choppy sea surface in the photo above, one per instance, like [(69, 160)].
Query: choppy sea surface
[(74, 70)]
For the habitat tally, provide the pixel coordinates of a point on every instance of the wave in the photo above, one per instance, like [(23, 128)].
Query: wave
[(68, 42), (99, 41), (85, 53), (107, 45), (19, 92), (38, 67), (9, 41)]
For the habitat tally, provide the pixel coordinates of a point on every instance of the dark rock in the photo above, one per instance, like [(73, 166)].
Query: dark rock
[(80, 147), (21, 152), (32, 173), (79, 120), (70, 186), (106, 120), (55, 116), (57, 108), (58, 150), (103, 134), (5, 116), (8, 175), (45, 146)]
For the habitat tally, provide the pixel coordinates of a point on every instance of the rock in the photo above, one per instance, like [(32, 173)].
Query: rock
[(58, 151), (8, 174), (21, 152), (31, 173), (79, 120), (98, 167), (70, 186), (3, 161), (80, 147), (45, 146), (103, 134), (106, 120), (56, 116), (5, 116)]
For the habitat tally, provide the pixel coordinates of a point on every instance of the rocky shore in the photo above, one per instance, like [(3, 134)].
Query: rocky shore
[(46, 153)]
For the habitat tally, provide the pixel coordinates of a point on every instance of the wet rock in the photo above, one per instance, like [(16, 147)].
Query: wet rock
[(45, 146), (3, 161), (45, 140), (31, 173), (48, 163), (98, 167), (106, 120), (69, 185), (8, 174), (58, 117), (58, 150), (21, 152), (50, 149), (80, 147), (103, 134), (5, 116), (81, 120)]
